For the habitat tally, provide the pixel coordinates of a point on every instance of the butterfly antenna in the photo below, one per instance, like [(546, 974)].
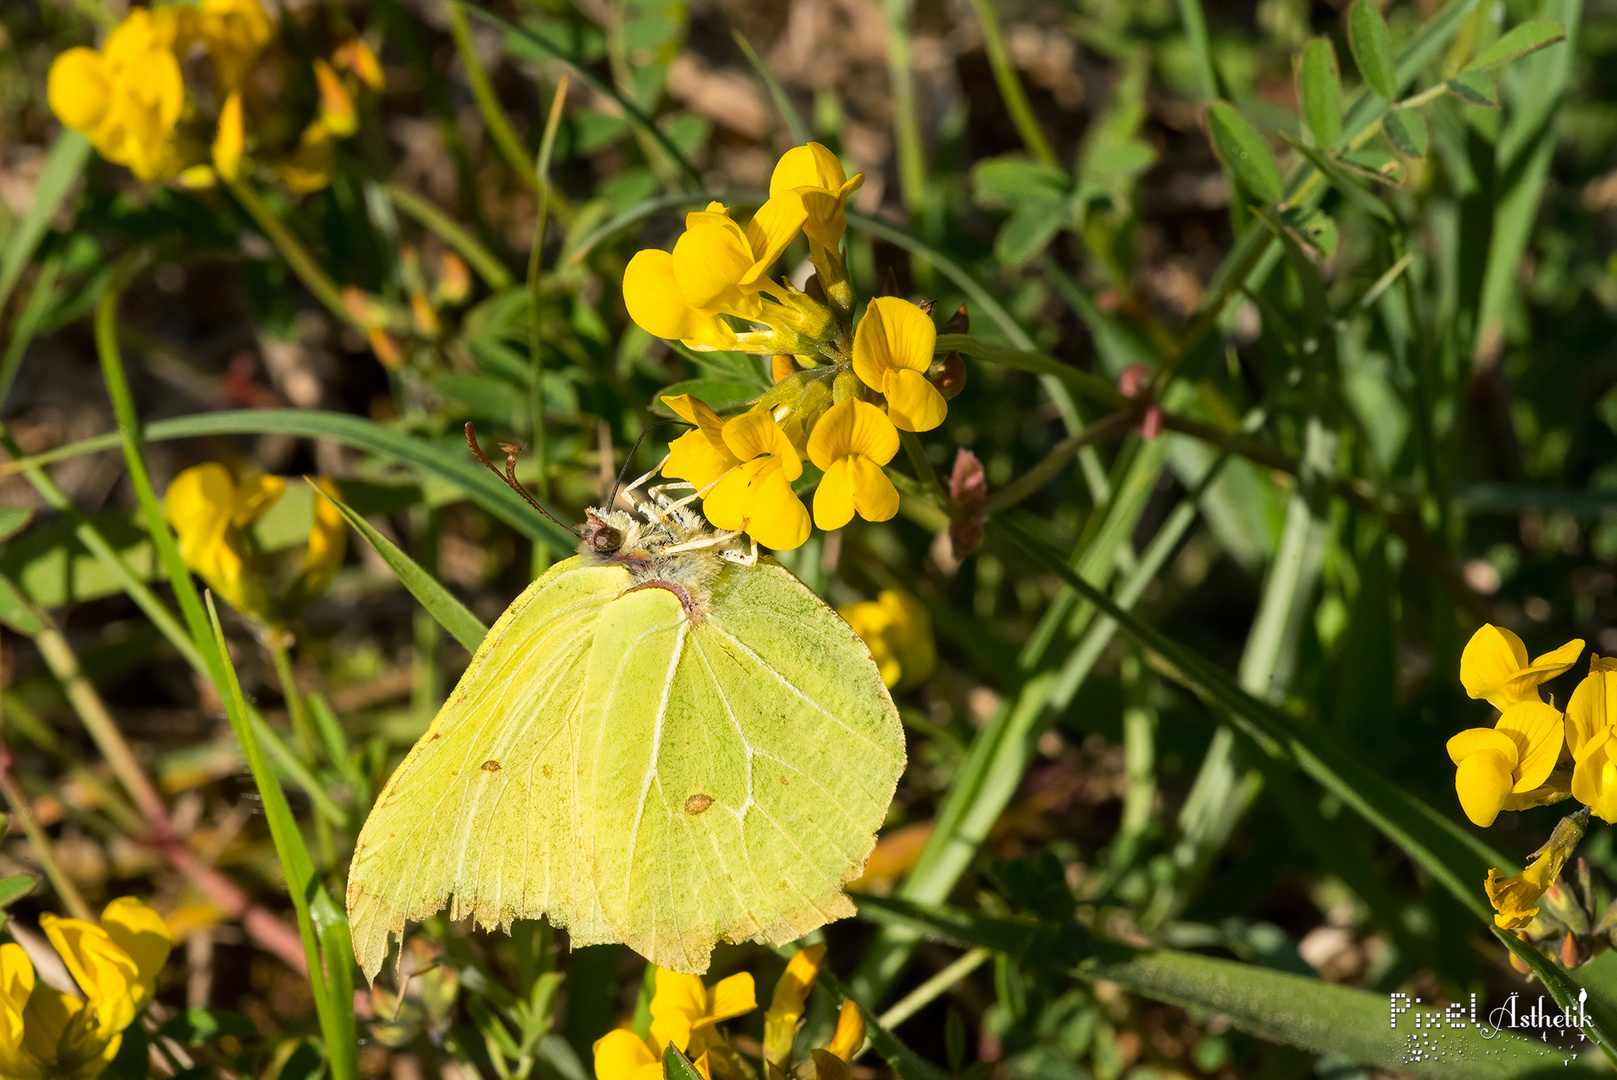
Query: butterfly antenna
[(509, 475), (613, 501)]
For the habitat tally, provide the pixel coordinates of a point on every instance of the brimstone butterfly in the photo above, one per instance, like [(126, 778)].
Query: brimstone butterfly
[(662, 742)]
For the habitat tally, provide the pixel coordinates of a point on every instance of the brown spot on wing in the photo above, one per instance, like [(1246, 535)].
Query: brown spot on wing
[(698, 803), (491, 765), (693, 610)]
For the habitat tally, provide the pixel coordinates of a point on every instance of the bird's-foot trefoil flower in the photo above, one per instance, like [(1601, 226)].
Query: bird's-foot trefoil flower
[(1494, 667), (818, 179), (786, 1004), (1515, 899), (892, 350), (850, 444), (756, 496), (898, 631), (1591, 724), (1515, 756), (700, 455)]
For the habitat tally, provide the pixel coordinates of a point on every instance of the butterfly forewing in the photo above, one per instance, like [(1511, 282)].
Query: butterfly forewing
[(734, 768), (483, 806)]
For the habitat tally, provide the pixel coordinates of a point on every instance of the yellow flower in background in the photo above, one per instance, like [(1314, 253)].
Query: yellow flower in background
[(850, 1034), (308, 168), (209, 511), (1512, 757), (684, 1010), (892, 349), (114, 963), (898, 631), (357, 57), (336, 104), (851, 443), (699, 455), (786, 1004), (1591, 715), (623, 1055), (231, 140), (1494, 666), (127, 97), (756, 497), (657, 305), (235, 32), (817, 177), (716, 259)]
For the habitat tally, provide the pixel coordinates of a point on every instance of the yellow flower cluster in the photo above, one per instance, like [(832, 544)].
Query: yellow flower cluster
[(842, 393), (48, 1034), (210, 512), (685, 1014), (130, 96), (898, 630)]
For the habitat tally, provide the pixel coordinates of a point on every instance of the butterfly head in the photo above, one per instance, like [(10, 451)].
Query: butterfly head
[(600, 536)]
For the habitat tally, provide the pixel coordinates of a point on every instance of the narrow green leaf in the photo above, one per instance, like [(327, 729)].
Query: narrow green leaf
[(1372, 48), (1375, 165), (1319, 88), (13, 889), (1344, 181), (1527, 37), (63, 165), (676, 1066), (438, 601), (1244, 151), (1476, 88), (1406, 130), (783, 101), (13, 519), (15, 610), (1564, 986)]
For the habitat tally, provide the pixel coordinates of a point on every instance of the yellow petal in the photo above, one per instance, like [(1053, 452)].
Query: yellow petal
[(1491, 657), (1472, 740), (852, 427), (1594, 777), (874, 495), (833, 499), (231, 139), (16, 983), (787, 1001), (774, 226), (336, 106), (910, 633), (46, 1019), (777, 518), (1591, 708), (894, 334), (328, 539), (1538, 731), (199, 503), (810, 165), (726, 505), (1482, 781), (710, 259), (678, 994), (1514, 900), (756, 433), (105, 973), (731, 997), (142, 934), (1523, 685), (308, 168), (356, 56), (914, 403), (78, 88), (850, 1035), (621, 1054), (256, 493), (658, 307)]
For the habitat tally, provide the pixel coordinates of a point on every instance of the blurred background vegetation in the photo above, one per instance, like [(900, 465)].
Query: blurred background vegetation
[(1382, 409)]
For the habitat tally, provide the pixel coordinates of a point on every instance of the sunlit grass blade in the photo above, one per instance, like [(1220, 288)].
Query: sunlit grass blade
[(783, 100), (301, 881), (63, 165), (488, 103), (439, 602)]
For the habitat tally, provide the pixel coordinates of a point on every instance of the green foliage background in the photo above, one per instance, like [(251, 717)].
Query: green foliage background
[(1180, 775)]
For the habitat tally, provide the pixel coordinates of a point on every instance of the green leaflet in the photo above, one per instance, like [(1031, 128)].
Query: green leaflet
[(1244, 151), (1319, 89), (1372, 48)]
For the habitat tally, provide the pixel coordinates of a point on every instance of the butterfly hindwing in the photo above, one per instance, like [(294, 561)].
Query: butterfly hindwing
[(482, 808), (733, 769)]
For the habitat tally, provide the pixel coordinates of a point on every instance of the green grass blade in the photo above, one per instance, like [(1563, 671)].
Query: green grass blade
[(438, 601), (488, 102), (293, 853), (27, 325), (1201, 47), (783, 101), (481, 259), (1563, 986), (1010, 83), (63, 165)]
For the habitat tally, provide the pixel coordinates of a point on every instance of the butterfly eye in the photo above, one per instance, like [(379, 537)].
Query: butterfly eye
[(605, 540)]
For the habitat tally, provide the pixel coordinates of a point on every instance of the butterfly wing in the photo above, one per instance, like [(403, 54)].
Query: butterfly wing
[(483, 806), (732, 772)]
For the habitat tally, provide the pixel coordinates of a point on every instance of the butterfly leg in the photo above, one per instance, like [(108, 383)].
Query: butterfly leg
[(657, 469), (747, 558), (706, 541)]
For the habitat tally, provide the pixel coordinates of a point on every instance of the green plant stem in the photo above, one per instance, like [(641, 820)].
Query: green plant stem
[(1056, 461), (1010, 84), (40, 843), (488, 102), (481, 259), (1201, 47), (278, 642), (297, 256), (934, 987), (906, 122)]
